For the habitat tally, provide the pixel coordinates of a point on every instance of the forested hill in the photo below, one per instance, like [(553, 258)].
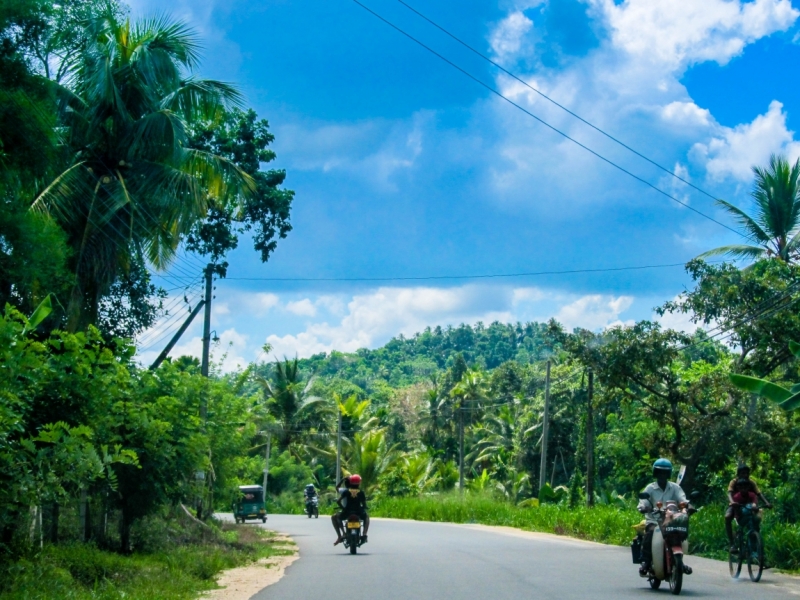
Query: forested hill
[(403, 361)]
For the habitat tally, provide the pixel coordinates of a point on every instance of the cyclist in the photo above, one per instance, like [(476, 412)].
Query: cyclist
[(742, 490)]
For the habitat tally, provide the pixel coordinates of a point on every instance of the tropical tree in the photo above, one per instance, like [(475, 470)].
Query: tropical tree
[(293, 409), (369, 455), (787, 399), (775, 228), (132, 186)]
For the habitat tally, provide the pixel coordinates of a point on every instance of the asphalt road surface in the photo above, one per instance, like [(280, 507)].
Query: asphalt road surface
[(411, 559)]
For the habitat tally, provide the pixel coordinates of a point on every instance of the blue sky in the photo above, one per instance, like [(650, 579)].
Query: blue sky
[(404, 167)]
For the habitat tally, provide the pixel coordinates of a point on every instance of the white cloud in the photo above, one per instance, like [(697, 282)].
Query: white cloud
[(683, 114), (594, 311), (374, 317), (302, 307), (507, 37), (735, 150), (678, 33)]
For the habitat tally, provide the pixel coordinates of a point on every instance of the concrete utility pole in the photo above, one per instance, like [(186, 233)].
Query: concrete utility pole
[(207, 321), (338, 446), (545, 430), (266, 468), (590, 442), (206, 336), (461, 449), (165, 352)]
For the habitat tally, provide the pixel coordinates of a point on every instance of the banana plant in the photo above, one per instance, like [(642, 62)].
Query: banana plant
[(787, 399)]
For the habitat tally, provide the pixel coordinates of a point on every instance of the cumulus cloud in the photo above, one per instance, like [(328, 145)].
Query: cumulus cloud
[(734, 150), (373, 318), (507, 38), (594, 311), (302, 307), (678, 33)]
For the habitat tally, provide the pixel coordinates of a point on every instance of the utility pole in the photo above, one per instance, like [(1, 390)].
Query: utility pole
[(545, 430), (266, 469), (206, 335), (165, 352), (338, 446), (590, 442), (461, 449)]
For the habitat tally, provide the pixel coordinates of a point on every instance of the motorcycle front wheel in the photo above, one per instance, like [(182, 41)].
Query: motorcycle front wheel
[(755, 556), (676, 577)]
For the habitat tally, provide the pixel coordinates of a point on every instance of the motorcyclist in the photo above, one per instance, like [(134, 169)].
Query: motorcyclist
[(352, 500), (309, 492), (661, 490), (741, 490), (336, 518)]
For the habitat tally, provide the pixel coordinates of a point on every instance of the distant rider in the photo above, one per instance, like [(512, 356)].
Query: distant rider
[(662, 490), (352, 501), (741, 491), (310, 492)]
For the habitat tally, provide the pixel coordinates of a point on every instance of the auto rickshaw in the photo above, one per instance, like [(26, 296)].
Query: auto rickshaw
[(250, 504)]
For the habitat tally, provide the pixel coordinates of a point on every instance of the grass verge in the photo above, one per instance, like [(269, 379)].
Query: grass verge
[(605, 524), (182, 571)]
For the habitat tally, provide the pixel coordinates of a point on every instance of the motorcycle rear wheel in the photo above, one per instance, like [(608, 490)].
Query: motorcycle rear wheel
[(353, 548), (654, 582), (755, 556), (676, 577)]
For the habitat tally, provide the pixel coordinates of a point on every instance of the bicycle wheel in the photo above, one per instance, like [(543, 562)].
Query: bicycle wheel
[(755, 555), (735, 559)]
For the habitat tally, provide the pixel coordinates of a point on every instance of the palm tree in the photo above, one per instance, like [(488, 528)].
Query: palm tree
[(294, 410), (131, 183), (370, 456), (775, 229)]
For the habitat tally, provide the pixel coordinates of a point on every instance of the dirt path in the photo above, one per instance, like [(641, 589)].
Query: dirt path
[(244, 582)]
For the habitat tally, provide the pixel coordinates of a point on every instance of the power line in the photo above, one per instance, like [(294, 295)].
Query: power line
[(446, 277), (542, 121), (551, 100)]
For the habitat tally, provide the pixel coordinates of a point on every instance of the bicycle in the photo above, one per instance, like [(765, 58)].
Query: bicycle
[(748, 543)]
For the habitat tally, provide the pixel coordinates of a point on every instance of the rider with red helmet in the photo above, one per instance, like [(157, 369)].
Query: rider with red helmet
[(352, 501)]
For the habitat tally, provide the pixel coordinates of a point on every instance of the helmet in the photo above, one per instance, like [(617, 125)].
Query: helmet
[(310, 486), (742, 467), (662, 464), (355, 480)]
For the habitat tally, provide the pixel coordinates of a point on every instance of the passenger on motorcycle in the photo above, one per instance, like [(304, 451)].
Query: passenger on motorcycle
[(352, 501), (741, 491), (662, 490)]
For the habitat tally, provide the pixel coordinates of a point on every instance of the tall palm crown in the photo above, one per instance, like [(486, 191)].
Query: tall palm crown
[(776, 226), (132, 184)]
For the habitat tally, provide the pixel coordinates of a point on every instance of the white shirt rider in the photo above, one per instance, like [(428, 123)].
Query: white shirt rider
[(671, 493)]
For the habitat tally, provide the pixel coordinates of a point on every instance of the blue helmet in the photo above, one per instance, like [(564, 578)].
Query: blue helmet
[(662, 464)]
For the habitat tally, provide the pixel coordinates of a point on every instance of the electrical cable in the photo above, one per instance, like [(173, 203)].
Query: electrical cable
[(543, 122), (446, 277)]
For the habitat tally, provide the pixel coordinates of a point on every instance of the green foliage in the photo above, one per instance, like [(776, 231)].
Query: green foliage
[(178, 572)]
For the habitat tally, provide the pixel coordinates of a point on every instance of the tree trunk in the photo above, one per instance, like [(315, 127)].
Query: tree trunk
[(125, 522)]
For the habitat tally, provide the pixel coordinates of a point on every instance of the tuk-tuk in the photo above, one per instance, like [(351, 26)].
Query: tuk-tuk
[(250, 504)]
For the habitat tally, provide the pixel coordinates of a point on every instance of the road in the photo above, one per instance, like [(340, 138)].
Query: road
[(439, 561)]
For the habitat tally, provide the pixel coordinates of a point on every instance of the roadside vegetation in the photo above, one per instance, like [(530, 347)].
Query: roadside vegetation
[(116, 156)]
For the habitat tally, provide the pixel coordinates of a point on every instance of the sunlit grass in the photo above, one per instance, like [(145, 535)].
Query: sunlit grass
[(83, 572)]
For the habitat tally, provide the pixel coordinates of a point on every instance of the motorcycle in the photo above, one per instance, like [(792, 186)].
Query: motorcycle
[(353, 536), (312, 507), (669, 545)]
